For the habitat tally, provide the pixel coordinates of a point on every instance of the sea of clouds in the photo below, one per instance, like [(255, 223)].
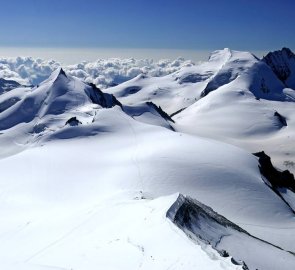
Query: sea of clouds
[(103, 72)]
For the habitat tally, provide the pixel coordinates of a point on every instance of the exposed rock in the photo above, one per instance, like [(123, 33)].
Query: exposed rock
[(205, 226), (103, 99), (73, 122), (177, 112), (281, 62), (281, 118), (160, 111), (62, 72), (275, 177)]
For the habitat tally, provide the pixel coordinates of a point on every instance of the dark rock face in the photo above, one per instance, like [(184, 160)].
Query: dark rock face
[(73, 122), (206, 227), (190, 211), (160, 111), (281, 119), (62, 72), (280, 61), (100, 98), (201, 222), (278, 179), (177, 112)]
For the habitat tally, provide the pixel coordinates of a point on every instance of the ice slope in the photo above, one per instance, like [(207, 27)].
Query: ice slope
[(54, 174)]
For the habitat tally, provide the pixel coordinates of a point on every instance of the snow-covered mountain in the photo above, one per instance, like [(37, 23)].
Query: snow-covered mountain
[(233, 97), (282, 63), (110, 180)]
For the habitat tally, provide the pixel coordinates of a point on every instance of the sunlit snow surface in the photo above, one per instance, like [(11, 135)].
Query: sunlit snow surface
[(94, 194)]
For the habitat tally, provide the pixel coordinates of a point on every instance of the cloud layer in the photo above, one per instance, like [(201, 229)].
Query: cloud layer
[(103, 72)]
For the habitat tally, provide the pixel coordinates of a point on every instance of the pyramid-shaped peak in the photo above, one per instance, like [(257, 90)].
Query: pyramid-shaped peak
[(55, 76), (61, 72)]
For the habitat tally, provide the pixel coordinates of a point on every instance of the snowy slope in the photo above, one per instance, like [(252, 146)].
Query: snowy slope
[(172, 92), (246, 112), (233, 97), (46, 183), (85, 178)]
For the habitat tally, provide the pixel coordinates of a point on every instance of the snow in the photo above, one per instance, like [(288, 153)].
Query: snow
[(115, 233), (95, 195)]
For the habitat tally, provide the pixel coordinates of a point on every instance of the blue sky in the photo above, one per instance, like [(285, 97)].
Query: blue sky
[(175, 24)]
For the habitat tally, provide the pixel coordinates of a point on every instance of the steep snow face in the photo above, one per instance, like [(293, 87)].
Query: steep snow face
[(282, 62)]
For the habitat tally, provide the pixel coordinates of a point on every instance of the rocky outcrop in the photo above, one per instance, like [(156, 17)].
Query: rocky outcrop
[(277, 179), (103, 99), (160, 111), (73, 122), (206, 227), (282, 63), (281, 119)]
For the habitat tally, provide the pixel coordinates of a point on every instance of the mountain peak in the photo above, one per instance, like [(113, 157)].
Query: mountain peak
[(220, 55), (58, 73), (284, 52), (282, 62), (61, 72)]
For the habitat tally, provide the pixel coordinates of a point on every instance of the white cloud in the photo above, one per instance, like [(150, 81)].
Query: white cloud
[(103, 72)]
